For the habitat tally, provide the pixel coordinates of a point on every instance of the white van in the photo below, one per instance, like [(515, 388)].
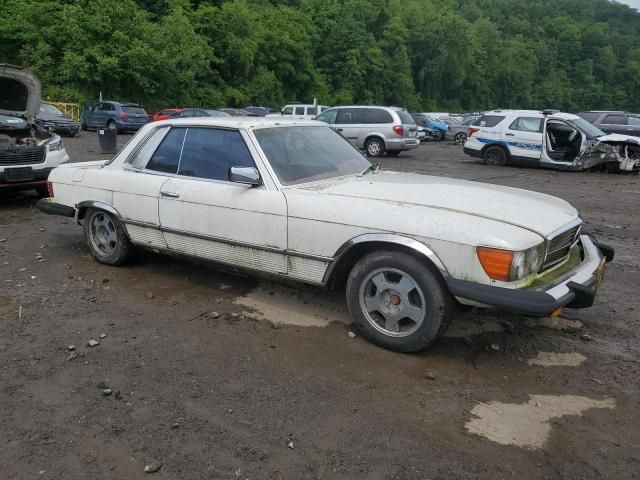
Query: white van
[(300, 111)]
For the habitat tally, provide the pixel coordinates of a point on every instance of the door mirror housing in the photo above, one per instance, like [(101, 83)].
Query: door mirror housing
[(246, 175)]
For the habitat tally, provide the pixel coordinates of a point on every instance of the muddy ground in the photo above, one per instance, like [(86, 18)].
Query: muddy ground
[(219, 376)]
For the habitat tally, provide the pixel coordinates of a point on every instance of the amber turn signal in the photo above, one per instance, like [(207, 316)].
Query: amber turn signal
[(496, 262)]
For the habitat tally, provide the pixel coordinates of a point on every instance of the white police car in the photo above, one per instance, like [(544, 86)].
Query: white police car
[(549, 139)]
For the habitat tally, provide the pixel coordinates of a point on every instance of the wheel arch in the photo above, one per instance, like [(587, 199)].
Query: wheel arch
[(496, 144), (82, 207), (356, 248), (372, 135)]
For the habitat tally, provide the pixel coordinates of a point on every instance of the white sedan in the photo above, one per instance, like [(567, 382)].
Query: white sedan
[(296, 200)]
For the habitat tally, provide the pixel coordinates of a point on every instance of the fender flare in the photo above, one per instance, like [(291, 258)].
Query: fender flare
[(417, 247), (95, 204)]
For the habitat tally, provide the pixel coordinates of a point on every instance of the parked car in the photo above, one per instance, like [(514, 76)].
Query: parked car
[(114, 116), (376, 130), (28, 151), (237, 112), (260, 111), (458, 132), (614, 122), (425, 133), (55, 121), (431, 123), (300, 111), (166, 113), (199, 112), (549, 139), (296, 200)]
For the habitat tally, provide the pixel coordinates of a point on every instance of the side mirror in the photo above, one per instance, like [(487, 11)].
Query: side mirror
[(245, 175)]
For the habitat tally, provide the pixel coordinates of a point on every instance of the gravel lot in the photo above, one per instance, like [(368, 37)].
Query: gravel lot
[(219, 376)]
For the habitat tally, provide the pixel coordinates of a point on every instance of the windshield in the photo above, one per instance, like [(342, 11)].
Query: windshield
[(306, 154), (49, 109), (405, 118), (590, 130), (133, 110)]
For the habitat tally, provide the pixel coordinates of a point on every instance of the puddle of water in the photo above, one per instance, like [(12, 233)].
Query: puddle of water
[(528, 425), (290, 306), (551, 359)]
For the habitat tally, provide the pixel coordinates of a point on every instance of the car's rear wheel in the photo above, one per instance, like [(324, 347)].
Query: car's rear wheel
[(460, 138), (106, 237), (83, 126), (397, 302), (374, 147), (495, 155)]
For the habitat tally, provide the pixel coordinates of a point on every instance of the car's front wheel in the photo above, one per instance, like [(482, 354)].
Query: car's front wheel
[(397, 302), (106, 237), (374, 147)]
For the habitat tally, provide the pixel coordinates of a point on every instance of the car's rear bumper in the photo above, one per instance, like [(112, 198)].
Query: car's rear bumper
[(472, 152), (36, 178), (577, 290), (48, 206), (131, 125), (402, 143)]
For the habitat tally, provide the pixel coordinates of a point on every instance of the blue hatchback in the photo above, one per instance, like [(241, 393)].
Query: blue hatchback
[(115, 116)]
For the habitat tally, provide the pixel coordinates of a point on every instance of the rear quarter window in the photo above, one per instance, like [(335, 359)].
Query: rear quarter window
[(377, 115), (489, 120), (405, 117)]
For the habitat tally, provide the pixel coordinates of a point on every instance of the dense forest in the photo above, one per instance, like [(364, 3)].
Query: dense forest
[(423, 54)]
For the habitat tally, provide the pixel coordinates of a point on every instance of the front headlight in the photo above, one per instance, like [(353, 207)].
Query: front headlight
[(55, 144), (509, 265)]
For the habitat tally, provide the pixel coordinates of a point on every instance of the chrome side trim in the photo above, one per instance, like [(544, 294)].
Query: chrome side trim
[(227, 241), (391, 238)]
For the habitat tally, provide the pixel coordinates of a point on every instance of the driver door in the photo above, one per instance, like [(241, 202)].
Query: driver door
[(204, 214)]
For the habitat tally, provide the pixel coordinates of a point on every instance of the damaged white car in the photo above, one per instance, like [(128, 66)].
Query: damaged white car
[(296, 200), (28, 151), (549, 139)]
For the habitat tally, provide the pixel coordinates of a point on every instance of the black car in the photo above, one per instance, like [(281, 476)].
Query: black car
[(198, 112), (614, 122), (54, 120)]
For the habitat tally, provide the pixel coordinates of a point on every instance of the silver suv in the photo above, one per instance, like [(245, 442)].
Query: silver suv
[(374, 129)]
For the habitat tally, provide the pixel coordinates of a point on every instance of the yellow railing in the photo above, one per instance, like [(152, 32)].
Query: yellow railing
[(71, 109)]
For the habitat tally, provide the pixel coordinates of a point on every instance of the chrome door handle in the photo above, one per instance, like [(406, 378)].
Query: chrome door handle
[(170, 194)]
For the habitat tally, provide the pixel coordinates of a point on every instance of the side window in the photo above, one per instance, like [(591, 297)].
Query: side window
[(287, 111), (328, 116), (210, 153), (615, 120), (311, 110), (527, 124), (489, 120), (299, 110), (107, 107), (186, 114), (348, 116), (635, 121), (377, 115), (589, 116), (166, 158), (140, 157)]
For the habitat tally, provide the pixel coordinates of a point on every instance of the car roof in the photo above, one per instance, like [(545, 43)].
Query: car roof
[(240, 122), (533, 113)]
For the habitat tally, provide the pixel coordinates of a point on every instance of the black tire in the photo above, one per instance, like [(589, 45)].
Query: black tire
[(83, 126), (393, 153), (460, 138), (440, 136), (495, 155), (374, 147), (430, 296), (106, 237)]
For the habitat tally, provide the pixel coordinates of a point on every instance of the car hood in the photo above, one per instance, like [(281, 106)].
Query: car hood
[(618, 138), (20, 92), (537, 212)]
